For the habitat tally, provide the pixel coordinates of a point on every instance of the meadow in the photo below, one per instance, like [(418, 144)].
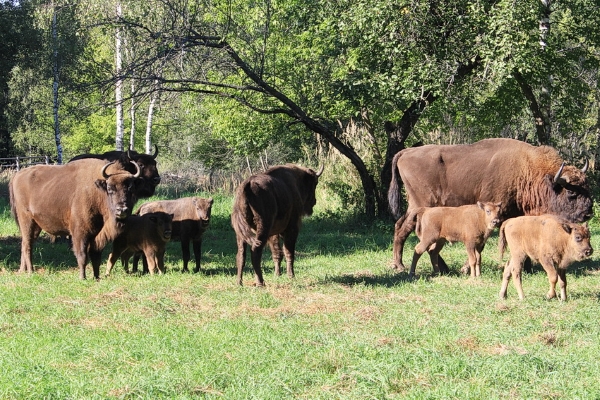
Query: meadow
[(347, 327)]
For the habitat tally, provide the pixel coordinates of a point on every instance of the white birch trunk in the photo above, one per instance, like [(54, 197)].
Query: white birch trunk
[(119, 86), (132, 116), (56, 77), (149, 122)]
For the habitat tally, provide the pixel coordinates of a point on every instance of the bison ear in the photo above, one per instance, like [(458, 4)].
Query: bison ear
[(101, 184), (480, 205), (567, 228), (209, 201)]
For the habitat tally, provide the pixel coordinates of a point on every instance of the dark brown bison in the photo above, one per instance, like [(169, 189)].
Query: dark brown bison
[(145, 162), (528, 180), (191, 216), (553, 242), (268, 206), (86, 199), (471, 224), (147, 234)]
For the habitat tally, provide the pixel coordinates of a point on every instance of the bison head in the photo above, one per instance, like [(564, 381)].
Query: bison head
[(570, 194), (203, 210), (310, 181), (148, 170), (580, 240), (163, 223), (121, 188)]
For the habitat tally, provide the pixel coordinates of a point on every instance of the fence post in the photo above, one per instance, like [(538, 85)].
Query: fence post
[(17, 162), (47, 158)]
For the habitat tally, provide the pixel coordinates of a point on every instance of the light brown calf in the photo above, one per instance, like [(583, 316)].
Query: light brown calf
[(547, 239), (470, 224)]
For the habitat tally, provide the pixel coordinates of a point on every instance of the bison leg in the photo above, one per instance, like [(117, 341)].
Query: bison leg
[(29, 233), (240, 259), (256, 257), (160, 261), (434, 254), (505, 278), (118, 249), (562, 280), (197, 246), (151, 260), (185, 253), (548, 266), (276, 253), (289, 249), (136, 260), (516, 269), (400, 235), (80, 248), (474, 260), (96, 259)]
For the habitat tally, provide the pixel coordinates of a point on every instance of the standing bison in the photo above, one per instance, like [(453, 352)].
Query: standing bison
[(553, 242), (87, 199), (270, 205), (191, 216), (145, 162), (528, 180)]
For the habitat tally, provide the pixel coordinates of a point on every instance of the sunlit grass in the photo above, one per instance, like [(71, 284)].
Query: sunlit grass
[(347, 327)]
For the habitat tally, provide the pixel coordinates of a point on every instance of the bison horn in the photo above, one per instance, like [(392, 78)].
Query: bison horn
[(104, 174), (155, 151), (559, 173), (137, 167), (585, 167), (320, 171)]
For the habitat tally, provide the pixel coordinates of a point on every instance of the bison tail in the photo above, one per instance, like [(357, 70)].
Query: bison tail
[(13, 207), (394, 195), (413, 221)]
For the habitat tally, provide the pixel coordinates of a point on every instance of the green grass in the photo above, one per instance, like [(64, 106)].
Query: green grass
[(348, 327)]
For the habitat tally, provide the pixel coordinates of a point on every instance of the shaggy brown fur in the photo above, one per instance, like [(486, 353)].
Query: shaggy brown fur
[(268, 206), (553, 242), (470, 224), (521, 176), (191, 216), (72, 199), (147, 234)]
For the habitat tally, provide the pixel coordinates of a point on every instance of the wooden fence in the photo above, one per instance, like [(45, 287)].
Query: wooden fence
[(22, 162)]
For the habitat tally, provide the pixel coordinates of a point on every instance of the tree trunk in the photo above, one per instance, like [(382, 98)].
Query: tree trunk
[(153, 97), (541, 123), (56, 79), (546, 92), (119, 86)]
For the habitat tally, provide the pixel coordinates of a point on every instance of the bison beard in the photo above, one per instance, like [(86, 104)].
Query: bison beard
[(269, 206), (81, 199), (528, 180)]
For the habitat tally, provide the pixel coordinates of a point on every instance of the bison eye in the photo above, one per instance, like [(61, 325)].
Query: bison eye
[(578, 238), (571, 194), (110, 189)]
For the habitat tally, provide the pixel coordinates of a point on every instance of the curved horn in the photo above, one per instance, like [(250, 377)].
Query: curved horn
[(137, 167), (585, 167), (559, 173), (155, 151), (320, 171), (104, 174), (129, 154)]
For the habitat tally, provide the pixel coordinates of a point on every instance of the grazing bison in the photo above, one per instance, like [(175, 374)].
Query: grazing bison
[(553, 242), (268, 206), (86, 199), (471, 224), (145, 162), (528, 180), (147, 234), (191, 216)]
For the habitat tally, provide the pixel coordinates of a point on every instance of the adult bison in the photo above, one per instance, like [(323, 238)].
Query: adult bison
[(528, 180), (270, 205), (145, 162), (86, 199)]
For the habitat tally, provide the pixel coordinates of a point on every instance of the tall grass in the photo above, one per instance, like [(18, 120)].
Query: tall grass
[(347, 327)]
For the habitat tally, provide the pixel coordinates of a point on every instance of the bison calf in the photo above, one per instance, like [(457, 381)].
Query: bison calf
[(147, 234), (191, 216), (547, 239), (268, 206), (470, 224)]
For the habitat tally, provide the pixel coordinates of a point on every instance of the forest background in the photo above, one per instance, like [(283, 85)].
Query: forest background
[(226, 87)]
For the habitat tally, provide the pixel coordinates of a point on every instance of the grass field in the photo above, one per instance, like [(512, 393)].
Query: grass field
[(347, 327)]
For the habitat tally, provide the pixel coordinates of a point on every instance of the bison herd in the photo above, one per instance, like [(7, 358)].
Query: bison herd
[(454, 192)]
